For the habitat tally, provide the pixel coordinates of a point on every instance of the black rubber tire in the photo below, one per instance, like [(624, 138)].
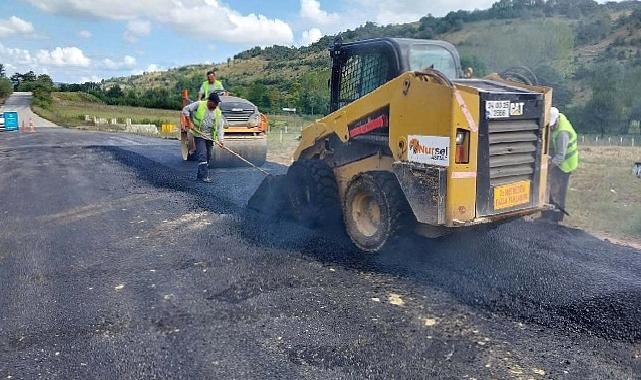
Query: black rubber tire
[(393, 210), (313, 193)]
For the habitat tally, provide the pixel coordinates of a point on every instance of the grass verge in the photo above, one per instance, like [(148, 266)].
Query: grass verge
[(69, 110), (604, 195)]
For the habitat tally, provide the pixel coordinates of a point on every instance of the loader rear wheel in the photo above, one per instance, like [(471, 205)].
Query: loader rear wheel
[(313, 193), (375, 210)]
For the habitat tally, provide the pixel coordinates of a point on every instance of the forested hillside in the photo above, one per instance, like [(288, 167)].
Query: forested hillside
[(589, 52)]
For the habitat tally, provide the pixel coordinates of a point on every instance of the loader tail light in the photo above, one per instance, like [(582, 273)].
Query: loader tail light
[(462, 146)]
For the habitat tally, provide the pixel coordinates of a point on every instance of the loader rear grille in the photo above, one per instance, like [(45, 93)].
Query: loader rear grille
[(513, 150)]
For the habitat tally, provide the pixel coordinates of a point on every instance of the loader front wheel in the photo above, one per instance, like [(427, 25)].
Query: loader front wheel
[(375, 210), (313, 193)]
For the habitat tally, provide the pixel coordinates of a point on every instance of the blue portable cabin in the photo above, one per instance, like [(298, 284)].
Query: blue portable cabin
[(9, 121)]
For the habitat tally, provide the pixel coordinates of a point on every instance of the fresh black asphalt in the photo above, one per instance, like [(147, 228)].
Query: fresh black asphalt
[(115, 263)]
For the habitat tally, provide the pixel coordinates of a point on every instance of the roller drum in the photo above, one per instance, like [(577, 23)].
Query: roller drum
[(252, 149)]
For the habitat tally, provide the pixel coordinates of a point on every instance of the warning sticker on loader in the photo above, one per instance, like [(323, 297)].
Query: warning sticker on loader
[(511, 195), (431, 150)]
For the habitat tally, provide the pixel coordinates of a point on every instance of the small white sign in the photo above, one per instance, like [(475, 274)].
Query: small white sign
[(431, 150), (497, 109)]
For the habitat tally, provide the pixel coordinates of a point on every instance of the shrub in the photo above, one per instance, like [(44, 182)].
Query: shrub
[(6, 88)]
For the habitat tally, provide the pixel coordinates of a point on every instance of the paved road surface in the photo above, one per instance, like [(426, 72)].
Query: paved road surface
[(21, 102), (114, 263)]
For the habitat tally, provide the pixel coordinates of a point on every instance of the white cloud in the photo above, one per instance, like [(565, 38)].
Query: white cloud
[(60, 56), (311, 10), (85, 34), (65, 56), (399, 11), (15, 25), (90, 78), (128, 62), (153, 68), (65, 62), (311, 36), (136, 29), (16, 57), (194, 16)]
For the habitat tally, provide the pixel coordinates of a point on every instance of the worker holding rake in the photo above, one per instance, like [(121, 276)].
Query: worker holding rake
[(207, 128)]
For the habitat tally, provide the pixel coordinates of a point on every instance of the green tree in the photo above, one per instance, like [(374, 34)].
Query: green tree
[(41, 87), (314, 94), (605, 111), (6, 88), (259, 95), (115, 92)]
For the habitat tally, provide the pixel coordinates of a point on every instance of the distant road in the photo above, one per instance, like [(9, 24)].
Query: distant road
[(20, 102)]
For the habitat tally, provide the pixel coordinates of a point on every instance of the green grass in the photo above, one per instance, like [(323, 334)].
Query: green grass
[(283, 138), (604, 196), (69, 110)]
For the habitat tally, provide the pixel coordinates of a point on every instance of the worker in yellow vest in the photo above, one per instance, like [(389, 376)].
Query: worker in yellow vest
[(564, 153), (207, 127), (211, 85)]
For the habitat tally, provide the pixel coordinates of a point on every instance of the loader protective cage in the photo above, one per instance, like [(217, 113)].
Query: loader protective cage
[(359, 68)]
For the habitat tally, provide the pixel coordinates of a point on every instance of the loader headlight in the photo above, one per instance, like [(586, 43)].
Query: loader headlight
[(462, 146), (254, 120)]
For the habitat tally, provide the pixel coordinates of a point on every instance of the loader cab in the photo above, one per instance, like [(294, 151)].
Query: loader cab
[(359, 68)]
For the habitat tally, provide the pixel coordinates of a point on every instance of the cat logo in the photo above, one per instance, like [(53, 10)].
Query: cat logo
[(516, 109)]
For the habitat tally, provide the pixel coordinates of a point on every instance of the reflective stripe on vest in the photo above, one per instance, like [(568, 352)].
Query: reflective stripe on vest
[(218, 86), (571, 161), (199, 116)]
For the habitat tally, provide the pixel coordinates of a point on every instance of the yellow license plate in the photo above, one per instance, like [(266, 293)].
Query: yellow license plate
[(511, 195)]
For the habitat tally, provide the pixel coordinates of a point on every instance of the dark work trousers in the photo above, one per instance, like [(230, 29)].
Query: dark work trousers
[(203, 152), (558, 182)]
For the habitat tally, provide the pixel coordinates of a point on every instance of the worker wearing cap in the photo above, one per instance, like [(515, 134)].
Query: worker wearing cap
[(207, 120), (210, 86), (564, 155)]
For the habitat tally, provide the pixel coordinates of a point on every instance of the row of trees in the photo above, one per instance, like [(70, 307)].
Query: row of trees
[(309, 93), (40, 85)]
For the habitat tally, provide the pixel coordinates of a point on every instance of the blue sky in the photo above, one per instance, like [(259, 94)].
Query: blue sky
[(80, 40)]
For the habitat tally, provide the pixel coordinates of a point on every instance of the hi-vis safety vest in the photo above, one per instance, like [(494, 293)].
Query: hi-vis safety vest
[(571, 161), (218, 86), (199, 116)]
